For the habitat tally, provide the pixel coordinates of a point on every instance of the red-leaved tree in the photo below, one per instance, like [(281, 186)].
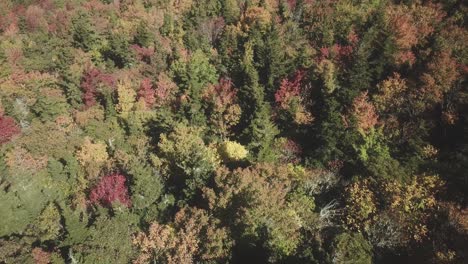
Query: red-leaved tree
[(8, 129), (289, 89), (40, 256), (143, 53), (91, 80), (164, 90), (221, 95), (146, 92), (110, 189)]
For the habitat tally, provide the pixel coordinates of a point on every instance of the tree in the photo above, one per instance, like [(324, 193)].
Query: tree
[(8, 129), (35, 18), (106, 240), (48, 225), (126, 98), (288, 90), (110, 189), (117, 51), (146, 93), (83, 32), (191, 162), (361, 205), (165, 90), (50, 104), (194, 76), (40, 256), (364, 112), (147, 185), (222, 107), (251, 94), (231, 11), (195, 237), (231, 151), (290, 99), (271, 211), (91, 83), (262, 132), (92, 157), (352, 248)]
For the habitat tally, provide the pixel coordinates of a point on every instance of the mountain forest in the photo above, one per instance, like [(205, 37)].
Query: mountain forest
[(233, 131)]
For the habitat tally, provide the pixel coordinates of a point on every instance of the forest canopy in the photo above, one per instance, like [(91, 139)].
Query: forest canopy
[(233, 131)]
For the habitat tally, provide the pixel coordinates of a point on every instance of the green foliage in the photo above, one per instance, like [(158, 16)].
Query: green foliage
[(373, 145), (189, 159), (143, 36), (49, 105), (233, 131), (231, 10), (262, 132), (107, 240), (21, 204), (351, 248), (46, 53), (193, 77), (147, 185), (83, 32), (117, 51), (48, 226)]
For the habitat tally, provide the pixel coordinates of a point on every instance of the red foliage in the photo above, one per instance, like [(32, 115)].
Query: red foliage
[(353, 38), (40, 256), (288, 89), (89, 86), (222, 94), (91, 80), (143, 54), (146, 92), (165, 87), (442, 74), (59, 22), (292, 4), (111, 188), (335, 165), (338, 52), (290, 152), (35, 18), (9, 22), (47, 4), (8, 129), (402, 57)]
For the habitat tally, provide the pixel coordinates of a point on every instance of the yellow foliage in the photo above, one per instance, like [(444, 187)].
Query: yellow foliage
[(302, 116), (232, 151), (257, 17), (94, 113), (126, 97), (391, 93), (327, 70), (92, 157), (361, 204), (92, 152)]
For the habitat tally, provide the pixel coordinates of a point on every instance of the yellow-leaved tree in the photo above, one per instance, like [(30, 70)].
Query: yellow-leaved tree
[(126, 97), (92, 157)]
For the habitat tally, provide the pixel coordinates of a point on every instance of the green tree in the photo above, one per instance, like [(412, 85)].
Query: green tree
[(191, 162), (262, 132), (351, 248), (193, 77)]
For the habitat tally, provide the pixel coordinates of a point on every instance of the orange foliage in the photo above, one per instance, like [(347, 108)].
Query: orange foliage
[(364, 112)]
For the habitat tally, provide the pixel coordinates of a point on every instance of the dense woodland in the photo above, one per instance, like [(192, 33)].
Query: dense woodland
[(233, 131)]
